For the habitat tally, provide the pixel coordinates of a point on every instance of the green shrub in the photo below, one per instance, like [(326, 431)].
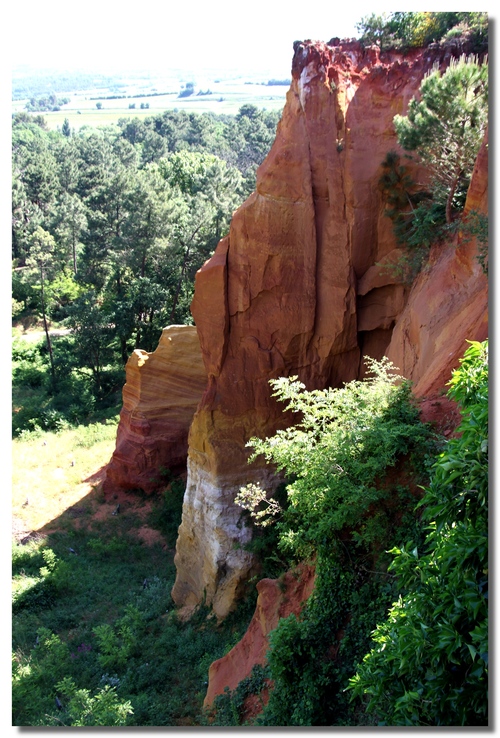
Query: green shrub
[(36, 592), (403, 30), (430, 662), (228, 707), (338, 453), (79, 708), (345, 507)]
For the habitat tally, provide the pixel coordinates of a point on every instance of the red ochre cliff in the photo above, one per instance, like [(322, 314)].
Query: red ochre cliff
[(447, 304), (295, 290), (276, 599), (160, 396)]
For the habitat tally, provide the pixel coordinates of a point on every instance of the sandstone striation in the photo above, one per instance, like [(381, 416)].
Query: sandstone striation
[(162, 391), (447, 305), (293, 290)]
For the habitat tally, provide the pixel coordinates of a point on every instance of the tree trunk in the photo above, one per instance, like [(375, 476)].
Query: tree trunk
[(123, 350), (179, 285), (47, 334), (74, 252), (450, 197)]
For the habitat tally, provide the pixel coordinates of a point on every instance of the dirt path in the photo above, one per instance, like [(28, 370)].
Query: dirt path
[(34, 336)]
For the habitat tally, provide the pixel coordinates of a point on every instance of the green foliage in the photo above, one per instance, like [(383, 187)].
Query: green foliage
[(66, 128), (312, 657), (45, 104), (430, 662), (90, 327), (429, 666), (418, 221), (344, 442), (39, 405), (345, 505), (30, 363), (105, 634), (109, 229), (81, 709), (42, 591), (403, 30), (475, 225), (446, 126), (119, 643)]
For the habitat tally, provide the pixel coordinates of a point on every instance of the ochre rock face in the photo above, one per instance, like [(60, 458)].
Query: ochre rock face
[(160, 397), (448, 303), (293, 290), (276, 599)]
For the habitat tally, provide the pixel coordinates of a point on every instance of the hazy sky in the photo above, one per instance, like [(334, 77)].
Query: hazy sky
[(189, 34)]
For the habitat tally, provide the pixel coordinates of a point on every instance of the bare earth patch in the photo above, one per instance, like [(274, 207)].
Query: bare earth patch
[(150, 536), (84, 504)]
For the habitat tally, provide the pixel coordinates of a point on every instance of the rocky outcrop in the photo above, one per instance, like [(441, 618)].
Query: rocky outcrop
[(276, 599), (293, 290), (297, 288), (162, 391), (448, 303)]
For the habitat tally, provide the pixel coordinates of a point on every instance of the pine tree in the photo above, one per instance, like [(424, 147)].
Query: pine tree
[(445, 127), (66, 129)]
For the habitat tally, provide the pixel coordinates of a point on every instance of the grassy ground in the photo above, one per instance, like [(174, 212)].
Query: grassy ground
[(55, 471), (94, 628), (96, 637)]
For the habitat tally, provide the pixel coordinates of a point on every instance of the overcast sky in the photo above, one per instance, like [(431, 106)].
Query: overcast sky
[(190, 34)]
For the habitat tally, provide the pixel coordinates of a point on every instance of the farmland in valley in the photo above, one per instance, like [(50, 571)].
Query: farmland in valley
[(93, 102)]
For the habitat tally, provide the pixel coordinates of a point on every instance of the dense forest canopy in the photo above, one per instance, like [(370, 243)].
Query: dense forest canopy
[(110, 226)]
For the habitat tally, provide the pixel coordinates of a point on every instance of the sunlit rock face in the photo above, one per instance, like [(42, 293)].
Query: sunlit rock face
[(293, 290), (162, 391)]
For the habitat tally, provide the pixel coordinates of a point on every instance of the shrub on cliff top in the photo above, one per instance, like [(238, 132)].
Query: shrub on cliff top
[(402, 30)]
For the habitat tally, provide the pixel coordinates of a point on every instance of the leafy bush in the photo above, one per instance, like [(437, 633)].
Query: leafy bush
[(81, 709), (430, 662), (117, 644), (338, 453), (403, 30), (346, 503), (41, 591)]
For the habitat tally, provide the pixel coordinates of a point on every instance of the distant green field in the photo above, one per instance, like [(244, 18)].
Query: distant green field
[(225, 98)]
